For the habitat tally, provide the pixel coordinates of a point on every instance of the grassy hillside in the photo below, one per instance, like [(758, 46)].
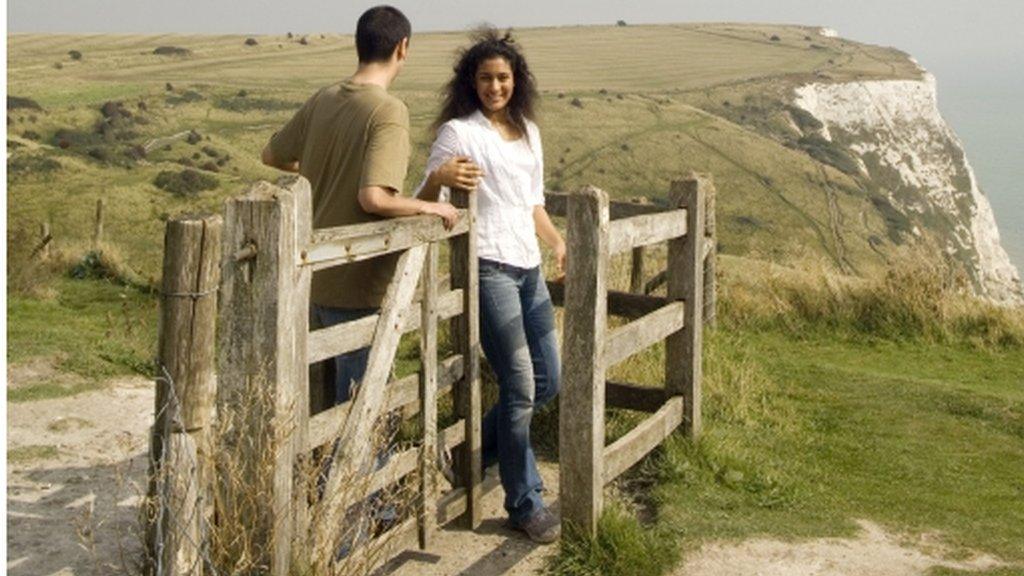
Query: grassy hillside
[(638, 122)]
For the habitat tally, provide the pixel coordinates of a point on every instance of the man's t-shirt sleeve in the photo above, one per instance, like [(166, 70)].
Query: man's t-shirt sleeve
[(287, 144), (387, 147)]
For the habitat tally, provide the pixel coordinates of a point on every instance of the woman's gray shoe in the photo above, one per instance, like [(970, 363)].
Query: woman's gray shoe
[(543, 527)]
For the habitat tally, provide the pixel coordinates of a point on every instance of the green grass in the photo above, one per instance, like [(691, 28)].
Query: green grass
[(26, 454), (94, 329), (916, 436)]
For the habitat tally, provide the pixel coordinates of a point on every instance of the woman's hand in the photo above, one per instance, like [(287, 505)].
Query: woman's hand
[(459, 172), (560, 257)]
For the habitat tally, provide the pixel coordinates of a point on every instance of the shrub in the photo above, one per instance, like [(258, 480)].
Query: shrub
[(806, 121), (829, 153), (19, 103), (74, 54), (30, 135), (187, 182), (30, 164), (245, 104), (251, 42), (172, 51), (304, 42), (100, 154), (620, 23), (577, 103), (186, 97), (775, 38)]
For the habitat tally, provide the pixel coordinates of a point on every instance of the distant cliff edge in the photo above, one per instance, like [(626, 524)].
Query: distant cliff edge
[(902, 145)]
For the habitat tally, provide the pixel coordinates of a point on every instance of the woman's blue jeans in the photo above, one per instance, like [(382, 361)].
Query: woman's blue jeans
[(517, 333)]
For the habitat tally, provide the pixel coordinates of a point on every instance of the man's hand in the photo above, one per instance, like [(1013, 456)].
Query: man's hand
[(447, 212), (459, 172)]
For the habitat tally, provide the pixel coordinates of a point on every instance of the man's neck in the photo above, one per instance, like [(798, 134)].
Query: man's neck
[(376, 73)]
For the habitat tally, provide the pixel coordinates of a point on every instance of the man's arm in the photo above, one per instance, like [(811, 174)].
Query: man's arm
[(383, 202), (268, 158)]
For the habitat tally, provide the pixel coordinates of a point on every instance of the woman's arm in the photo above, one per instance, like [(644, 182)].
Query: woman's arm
[(550, 235)]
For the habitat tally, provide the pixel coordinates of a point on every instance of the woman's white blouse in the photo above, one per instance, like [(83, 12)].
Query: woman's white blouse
[(513, 184)]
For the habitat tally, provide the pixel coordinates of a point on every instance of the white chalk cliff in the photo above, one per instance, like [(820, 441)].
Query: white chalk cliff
[(894, 130)]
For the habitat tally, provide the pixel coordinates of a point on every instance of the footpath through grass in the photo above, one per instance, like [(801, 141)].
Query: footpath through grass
[(805, 435)]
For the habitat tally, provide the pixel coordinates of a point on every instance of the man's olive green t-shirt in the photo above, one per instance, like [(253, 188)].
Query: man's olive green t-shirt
[(345, 137)]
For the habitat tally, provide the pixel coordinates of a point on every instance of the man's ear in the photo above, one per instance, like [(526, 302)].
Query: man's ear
[(402, 50)]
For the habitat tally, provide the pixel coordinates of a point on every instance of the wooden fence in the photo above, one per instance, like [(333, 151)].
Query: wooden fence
[(265, 348), (597, 230)]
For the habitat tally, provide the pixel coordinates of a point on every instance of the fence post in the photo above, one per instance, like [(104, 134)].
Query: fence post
[(261, 353), (181, 445), (428, 398), (581, 416), (636, 271), (45, 237), (466, 336), (685, 281), (711, 260), (97, 231)]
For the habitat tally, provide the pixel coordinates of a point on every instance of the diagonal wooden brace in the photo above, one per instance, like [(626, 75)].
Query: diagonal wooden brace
[(355, 447)]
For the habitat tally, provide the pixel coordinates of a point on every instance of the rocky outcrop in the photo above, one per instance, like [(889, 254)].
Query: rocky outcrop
[(908, 153)]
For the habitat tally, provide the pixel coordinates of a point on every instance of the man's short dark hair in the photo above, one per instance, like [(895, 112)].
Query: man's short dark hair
[(378, 33)]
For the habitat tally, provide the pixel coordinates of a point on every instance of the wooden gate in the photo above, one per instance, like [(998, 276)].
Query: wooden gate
[(270, 254), (265, 349), (598, 230)]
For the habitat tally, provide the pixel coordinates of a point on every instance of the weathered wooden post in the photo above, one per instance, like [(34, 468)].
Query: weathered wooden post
[(581, 417), (685, 281), (428, 397), (636, 271), (97, 231), (185, 387), (262, 351), (45, 238), (466, 336), (711, 257)]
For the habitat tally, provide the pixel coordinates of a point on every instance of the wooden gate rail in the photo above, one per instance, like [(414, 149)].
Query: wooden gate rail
[(589, 348), (265, 338)]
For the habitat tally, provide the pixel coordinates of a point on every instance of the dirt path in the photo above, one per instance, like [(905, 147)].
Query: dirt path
[(874, 552), (72, 509)]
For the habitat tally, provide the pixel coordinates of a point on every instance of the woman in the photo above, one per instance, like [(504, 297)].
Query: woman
[(487, 143)]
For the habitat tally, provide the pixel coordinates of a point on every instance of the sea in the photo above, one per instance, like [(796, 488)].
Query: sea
[(987, 118)]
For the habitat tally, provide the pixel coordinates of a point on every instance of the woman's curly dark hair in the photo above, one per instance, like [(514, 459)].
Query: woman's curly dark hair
[(460, 97)]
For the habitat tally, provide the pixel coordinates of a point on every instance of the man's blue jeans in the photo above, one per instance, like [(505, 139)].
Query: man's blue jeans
[(517, 332), (348, 368)]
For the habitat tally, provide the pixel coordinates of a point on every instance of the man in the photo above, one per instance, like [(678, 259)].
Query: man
[(351, 141)]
